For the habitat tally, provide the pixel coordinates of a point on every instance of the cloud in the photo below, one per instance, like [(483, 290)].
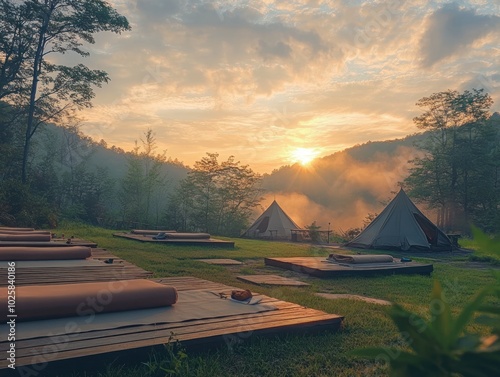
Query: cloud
[(258, 79), (452, 31)]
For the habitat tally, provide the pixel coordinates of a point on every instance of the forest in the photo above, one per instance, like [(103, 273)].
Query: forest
[(50, 171)]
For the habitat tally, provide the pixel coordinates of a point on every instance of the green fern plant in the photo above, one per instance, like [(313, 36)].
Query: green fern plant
[(442, 346)]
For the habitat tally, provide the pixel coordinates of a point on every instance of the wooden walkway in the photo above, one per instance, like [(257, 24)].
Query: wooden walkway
[(320, 267)]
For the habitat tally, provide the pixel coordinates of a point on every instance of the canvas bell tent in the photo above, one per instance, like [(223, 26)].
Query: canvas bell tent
[(401, 226), (274, 223)]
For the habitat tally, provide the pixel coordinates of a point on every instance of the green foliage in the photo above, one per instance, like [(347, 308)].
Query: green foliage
[(314, 231), (22, 206), (458, 175), (31, 32), (171, 364), (442, 345), (215, 197), (143, 187)]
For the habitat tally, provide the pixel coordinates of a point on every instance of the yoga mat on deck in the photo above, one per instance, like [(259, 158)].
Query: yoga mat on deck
[(24, 237), (361, 259), (150, 232), (187, 236), (23, 232), (191, 305), (15, 229), (58, 263), (38, 302), (20, 253)]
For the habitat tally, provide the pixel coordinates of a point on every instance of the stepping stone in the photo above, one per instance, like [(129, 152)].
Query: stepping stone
[(332, 296), (271, 280), (222, 262)]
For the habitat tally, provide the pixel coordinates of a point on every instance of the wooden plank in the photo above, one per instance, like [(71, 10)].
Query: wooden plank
[(271, 280)]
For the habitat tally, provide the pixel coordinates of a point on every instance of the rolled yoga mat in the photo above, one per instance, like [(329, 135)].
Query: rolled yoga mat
[(24, 237), (17, 253), (15, 229), (355, 259), (187, 236), (23, 232), (86, 299), (150, 232)]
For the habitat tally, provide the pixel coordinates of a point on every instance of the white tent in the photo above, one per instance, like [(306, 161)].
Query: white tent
[(401, 226), (274, 223)]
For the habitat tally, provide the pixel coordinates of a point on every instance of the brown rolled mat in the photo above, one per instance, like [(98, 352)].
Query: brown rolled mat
[(187, 236), (17, 253), (45, 243), (86, 299), (150, 232), (15, 229), (24, 237), (355, 259), (23, 232)]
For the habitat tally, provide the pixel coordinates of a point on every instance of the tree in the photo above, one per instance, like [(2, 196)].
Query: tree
[(454, 175), (215, 197), (16, 46), (314, 231), (36, 29), (143, 183)]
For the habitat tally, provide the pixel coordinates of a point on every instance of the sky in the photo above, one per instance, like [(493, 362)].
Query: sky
[(261, 79)]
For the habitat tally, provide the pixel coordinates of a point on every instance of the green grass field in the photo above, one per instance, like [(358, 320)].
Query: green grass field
[(318, 354)]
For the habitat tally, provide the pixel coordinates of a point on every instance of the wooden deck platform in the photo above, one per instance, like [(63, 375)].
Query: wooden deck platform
[(188, 242), (286, 317), (75, 271), (320, 267)]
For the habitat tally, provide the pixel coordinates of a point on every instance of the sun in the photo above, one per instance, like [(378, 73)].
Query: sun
[(303, 155)]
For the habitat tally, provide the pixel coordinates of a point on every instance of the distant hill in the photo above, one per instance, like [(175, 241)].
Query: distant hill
[(112, 158), (341, 189)]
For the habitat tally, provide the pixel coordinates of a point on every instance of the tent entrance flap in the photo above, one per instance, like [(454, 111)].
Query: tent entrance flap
[(430, 230), (262, 227)]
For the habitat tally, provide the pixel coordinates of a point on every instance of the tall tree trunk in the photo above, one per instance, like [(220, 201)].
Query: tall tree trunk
[(37, 67)]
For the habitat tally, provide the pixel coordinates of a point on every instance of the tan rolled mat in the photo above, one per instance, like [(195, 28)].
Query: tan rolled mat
[(355, 259), (16, 229), (150, 232), (23, 232), (24, 237), (18, 253), (187, 236), (67, 300), (191, 305)]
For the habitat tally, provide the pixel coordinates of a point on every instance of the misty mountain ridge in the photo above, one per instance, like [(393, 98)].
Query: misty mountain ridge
[(340, 189)]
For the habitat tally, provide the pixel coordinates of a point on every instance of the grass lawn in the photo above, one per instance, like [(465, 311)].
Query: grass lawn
[(318, 354)]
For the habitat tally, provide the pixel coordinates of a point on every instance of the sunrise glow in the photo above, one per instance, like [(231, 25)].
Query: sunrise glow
[(303, 155), (258, 79)]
